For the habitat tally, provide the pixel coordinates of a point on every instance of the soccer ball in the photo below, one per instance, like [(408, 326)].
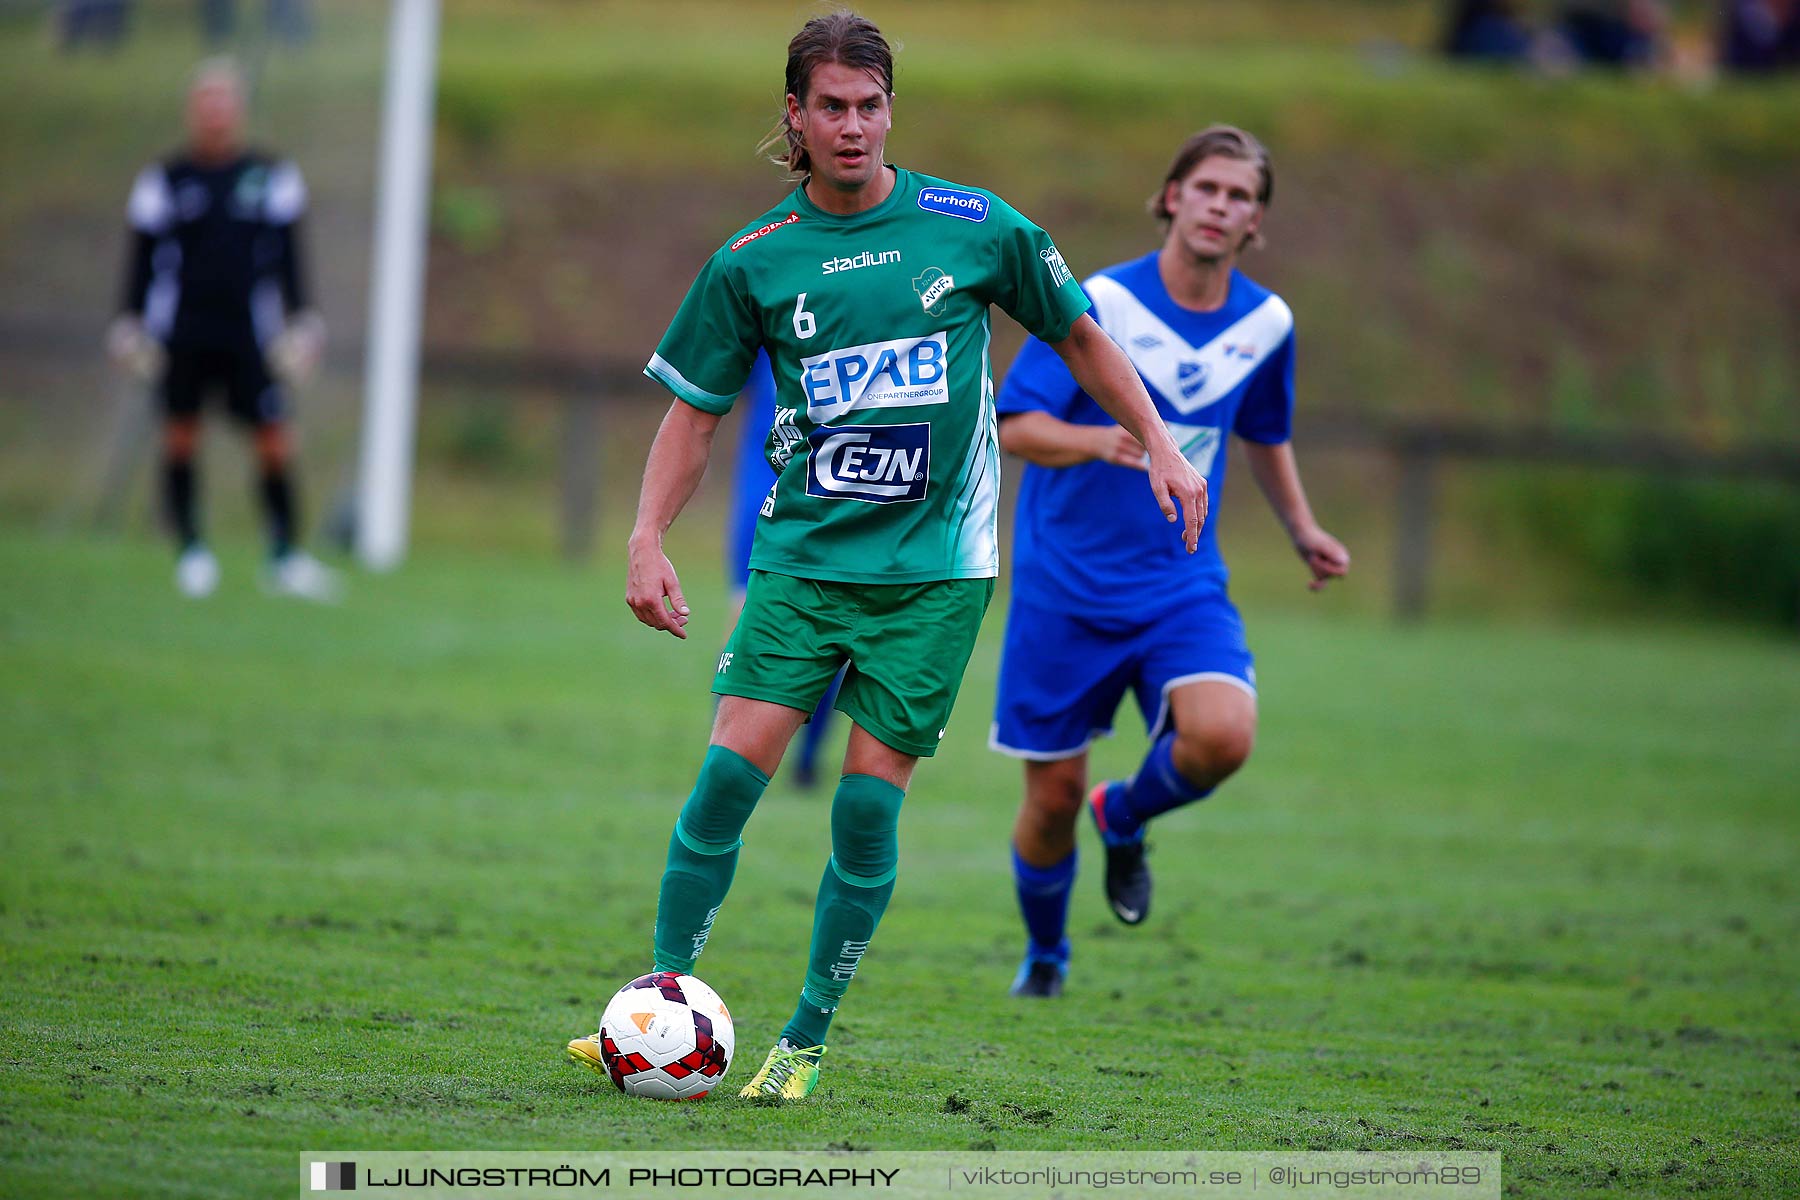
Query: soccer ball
[(667, 1037)]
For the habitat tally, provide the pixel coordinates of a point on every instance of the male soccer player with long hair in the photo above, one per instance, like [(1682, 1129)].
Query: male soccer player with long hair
[(869, 286), (1099, 605)]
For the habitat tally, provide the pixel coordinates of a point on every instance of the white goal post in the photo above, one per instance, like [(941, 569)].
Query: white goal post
[(396, 286)]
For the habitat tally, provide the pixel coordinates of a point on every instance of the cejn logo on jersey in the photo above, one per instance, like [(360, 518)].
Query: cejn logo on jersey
[(903, 373), (954, 202), (877, 464)]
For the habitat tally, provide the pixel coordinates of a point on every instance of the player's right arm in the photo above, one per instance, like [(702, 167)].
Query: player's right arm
[(677, 462), (1038, 437), (704, 360), (148, 214)]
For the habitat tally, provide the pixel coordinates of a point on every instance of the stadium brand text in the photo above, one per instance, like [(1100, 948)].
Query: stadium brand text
[(954, 202), (877, 464), (903, 373), (868, 258), (771, 227), (706, 925), (849, 957)]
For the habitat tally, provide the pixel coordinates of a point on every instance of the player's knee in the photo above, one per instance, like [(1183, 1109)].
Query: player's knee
[(272, 448), (180, 439), (1211, 752), (1059, 803), (865, 825)]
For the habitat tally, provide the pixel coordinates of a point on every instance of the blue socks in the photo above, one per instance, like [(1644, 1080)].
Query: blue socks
[(1155, 789), (1044, 903)]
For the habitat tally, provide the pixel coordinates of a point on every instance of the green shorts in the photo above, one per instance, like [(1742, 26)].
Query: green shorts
[(906, 643)]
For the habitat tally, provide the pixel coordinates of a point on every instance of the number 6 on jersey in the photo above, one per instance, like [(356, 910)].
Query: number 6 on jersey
[(803, 320)]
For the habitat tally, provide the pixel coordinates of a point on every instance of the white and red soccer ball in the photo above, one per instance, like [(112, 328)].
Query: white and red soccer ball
[(667, 1037)]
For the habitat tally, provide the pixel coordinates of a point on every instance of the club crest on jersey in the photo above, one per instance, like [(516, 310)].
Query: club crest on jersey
[(954, 202), (932, 287), (877, 464), (247, 196), (1059, 270), (903, 373), (1193, 376)]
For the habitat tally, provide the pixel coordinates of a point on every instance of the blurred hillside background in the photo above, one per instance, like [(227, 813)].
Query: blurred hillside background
[(1593, 256)]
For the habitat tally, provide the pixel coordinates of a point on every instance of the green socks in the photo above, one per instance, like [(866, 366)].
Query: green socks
[(854, 892), (703, 855)]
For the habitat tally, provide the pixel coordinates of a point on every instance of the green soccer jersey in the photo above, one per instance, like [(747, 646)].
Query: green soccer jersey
[(884, 446)]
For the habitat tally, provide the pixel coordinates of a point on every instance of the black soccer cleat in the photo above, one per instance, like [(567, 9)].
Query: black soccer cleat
[(1128, 882), (1040, 978), (1127, 874)]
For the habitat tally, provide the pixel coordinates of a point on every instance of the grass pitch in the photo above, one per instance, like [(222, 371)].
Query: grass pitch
[(278, 877)]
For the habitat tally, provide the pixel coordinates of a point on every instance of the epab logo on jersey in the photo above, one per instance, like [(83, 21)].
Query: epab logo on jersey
[(877, 464), (954, 202), (903, 373)]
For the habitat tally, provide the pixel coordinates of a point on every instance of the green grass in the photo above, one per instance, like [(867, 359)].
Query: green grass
[(274, 878)]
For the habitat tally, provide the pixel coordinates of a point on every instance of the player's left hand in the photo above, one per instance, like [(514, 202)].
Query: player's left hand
[(1323, 555), (1175, 481), (297, 349), (133, 349)]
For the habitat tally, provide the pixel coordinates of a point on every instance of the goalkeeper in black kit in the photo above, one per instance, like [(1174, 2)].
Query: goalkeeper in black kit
[(215, 304)]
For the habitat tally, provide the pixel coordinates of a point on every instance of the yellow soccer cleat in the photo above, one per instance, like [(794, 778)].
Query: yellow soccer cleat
[(790, 1073), (586, 1051)]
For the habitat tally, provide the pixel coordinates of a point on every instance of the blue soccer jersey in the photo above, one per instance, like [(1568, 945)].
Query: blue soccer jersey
[(1091, 537)]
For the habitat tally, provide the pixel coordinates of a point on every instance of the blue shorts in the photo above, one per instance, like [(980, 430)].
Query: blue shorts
[(1062, 675)]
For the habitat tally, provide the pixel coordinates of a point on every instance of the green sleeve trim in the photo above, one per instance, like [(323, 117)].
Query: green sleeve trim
[(664, 372)]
